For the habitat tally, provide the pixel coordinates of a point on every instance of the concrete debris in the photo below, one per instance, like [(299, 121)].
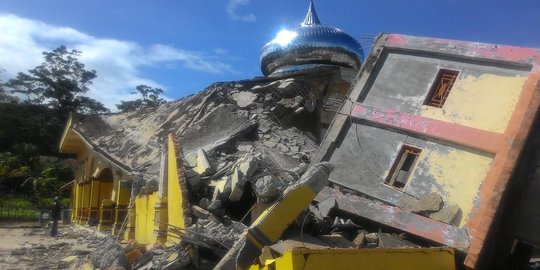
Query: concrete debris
[(448, 214), (326, 206), (244, 154), (429, 204), (267, 189), (387, 240), (238, 180)]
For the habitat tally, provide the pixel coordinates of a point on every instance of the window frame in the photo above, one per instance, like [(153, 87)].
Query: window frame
[(399, 162), (434, 90)]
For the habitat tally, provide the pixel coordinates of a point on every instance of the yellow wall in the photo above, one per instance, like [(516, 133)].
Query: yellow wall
[(105, 191), (458, 176), (174, 195), (373, 259), (484, 102), (144, 219)]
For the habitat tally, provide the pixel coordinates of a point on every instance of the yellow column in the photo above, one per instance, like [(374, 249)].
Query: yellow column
[(94, 203), (161, 220), (74, 202), (105, 217), (122, 198), (85, 203), (130, 226)]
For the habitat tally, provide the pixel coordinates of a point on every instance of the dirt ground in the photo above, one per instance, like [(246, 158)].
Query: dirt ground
[(26, 245)]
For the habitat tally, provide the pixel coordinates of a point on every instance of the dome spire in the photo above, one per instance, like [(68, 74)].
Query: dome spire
[(311, 16)]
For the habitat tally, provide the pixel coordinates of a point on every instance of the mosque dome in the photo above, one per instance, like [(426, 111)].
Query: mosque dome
[(310, 45)]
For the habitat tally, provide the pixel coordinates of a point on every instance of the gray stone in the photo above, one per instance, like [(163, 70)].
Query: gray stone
[(359, 240), (372, 238), (282, 148), (214, 205), (326, 206), (266, 189), (387, 240), (199, 212), (245, 148), (269, 144), (248, 165), (294, 149), (447, 214), (429, 204), (244, 99)]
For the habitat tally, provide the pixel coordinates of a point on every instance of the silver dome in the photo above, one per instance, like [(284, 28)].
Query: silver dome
[(310, 44)]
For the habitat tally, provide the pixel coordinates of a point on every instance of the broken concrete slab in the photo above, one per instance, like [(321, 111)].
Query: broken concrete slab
[(248, 165), (238, 180), (397, 218), (217, 128), (204, 167)]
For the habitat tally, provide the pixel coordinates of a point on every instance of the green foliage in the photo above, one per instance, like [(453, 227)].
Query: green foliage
[(51, 179), (17, 167), (33, 124), (58, 82), (150, 97)]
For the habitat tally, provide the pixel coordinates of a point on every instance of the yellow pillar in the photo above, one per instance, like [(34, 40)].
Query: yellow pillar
[(105, 215), (85, 203), (94, 203), (122, 198), (161, 220), (74, 202), (130, 225)]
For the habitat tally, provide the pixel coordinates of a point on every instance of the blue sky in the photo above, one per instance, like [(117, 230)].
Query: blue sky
[(183, 46)]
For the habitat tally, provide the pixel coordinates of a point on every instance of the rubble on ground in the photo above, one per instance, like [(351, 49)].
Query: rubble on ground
[(243, 146)]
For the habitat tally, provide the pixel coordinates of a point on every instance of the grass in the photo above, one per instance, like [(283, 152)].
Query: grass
[(23, 209)]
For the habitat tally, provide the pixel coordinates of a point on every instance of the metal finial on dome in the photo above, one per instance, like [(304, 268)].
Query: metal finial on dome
[(311, 16)]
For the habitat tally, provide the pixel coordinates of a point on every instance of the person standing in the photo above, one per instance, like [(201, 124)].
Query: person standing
[(56, 210)]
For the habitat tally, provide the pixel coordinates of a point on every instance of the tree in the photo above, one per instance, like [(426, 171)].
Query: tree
[(17, 166), (150, 98), (59, 82), (5, 97)]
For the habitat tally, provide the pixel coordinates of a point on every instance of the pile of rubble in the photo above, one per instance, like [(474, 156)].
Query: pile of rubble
[(244, 146)]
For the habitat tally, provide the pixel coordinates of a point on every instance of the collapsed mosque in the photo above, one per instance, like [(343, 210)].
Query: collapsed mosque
[(422, 156)]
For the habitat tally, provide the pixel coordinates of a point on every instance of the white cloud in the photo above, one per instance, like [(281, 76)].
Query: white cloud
[(117, 62), (232, 6)]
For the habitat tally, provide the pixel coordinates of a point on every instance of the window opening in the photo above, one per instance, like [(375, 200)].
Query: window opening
[(441, 87), (403, 166)]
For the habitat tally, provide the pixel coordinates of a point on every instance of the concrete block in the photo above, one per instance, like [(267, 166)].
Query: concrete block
[(372, 238), (248, 166), (359, 240), (447, 214), (204, 167), (326, 206), (429, 204), (238, 180)]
